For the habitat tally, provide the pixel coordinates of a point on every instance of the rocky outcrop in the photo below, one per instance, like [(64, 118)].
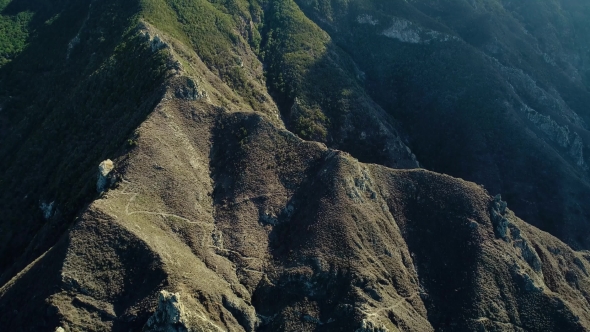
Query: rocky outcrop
[(403, 31), (153, 38), (188, 89), (407, 32), (47, 209), (105, 178), (571, 142), (497, 214), (157, 43), (170, 316)]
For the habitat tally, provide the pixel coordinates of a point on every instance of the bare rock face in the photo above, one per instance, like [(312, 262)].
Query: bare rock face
[(104, 171), (189, 90), (155, 41), (47, 209), (170, 315), (368, 326), (157, 44), (498, 210)]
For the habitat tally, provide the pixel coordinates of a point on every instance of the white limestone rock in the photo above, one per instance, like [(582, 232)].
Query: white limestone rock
[(403, 31), (408, 32), (367, 19), (105, 178)]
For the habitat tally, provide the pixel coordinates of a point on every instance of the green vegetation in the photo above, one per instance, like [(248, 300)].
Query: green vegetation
[(210, 28), (293, 44), (311, 124), (304, 64), (300, 60), (13, 32), (68, 113)]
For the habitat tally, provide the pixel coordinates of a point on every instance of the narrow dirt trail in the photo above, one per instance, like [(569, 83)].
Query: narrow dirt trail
[(392, 307), (153, 213)]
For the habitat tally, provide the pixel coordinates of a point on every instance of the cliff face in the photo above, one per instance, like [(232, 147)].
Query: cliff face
[(230, 166)]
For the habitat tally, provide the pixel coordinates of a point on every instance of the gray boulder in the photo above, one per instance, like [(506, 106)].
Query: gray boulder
[(105, 178)]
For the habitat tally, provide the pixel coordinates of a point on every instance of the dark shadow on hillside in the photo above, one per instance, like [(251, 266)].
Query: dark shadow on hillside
[(67, 104), (27, 297), (462, 110), (237, 138), (463, 120)]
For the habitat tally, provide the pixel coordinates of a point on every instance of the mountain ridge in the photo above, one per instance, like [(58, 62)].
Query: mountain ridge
[(229, 189)]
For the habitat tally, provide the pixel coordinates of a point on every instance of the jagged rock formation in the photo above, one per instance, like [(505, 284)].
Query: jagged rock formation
[(170, 316), (249, 194)]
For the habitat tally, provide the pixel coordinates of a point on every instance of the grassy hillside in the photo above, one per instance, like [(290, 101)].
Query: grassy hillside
[(315, 84)]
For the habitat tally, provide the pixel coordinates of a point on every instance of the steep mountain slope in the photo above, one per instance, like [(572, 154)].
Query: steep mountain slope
[(257, 229), (232, 206), (73, 95), (495, 92)]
